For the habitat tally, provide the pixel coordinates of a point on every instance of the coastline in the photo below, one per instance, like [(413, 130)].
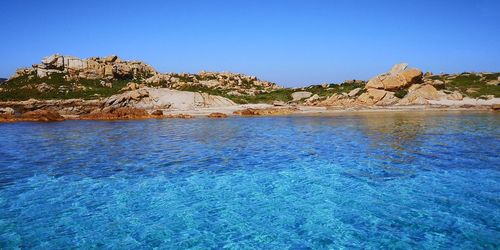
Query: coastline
[(259, 110)]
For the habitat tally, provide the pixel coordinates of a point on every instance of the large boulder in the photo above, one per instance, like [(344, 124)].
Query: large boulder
[(265, 111), (354, 92), (163, 98), (398, 68), (420, 94), (372, 96), (122, 113), (399, 77), (7, 111), (299, 95), (337, 100), (42, 116)]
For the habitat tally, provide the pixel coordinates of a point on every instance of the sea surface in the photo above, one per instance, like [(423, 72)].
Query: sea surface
[(360, 181)]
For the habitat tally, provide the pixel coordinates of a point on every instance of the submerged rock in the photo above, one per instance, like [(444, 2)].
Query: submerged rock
[(269, 111), (33, 116), (217, 115), (179, 116), (122, 113)]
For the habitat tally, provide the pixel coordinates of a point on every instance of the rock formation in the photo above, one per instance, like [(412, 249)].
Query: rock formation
[(112, 88), (230, 83), (68, 74), (110, 67), (268, 111), (299, 95), (400, 76), (163, 98), (217, 115)]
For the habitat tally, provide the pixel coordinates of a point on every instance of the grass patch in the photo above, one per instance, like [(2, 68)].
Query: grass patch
[(24, 88), (463, 82)]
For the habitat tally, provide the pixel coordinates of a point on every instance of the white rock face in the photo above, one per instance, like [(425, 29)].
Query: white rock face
[(354, 92), (297, 96), (163, 98), (90, 68), (398, 68), (75, 63), (7, 111)]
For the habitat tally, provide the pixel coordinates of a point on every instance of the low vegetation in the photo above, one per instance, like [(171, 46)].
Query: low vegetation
[(56, 86), (470, 84), (401, 93)]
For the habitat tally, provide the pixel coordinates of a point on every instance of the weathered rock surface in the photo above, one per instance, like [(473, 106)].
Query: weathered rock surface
[(42, 115), (217, 115), (268, 111), (122, 113), (63, 107), (178, 116), (33, 116), (400, 76), (354, 92), (299, 95), (110, 67), (7, 111), (337, 100), (372, 96), (420, 94), (162, 98), (313, 99), (232, 83)]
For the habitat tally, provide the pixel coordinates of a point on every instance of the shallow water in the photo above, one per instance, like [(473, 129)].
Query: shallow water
[(417, 180)]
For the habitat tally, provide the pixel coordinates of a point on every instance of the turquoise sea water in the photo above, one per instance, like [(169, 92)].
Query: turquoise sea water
[(371, 181)]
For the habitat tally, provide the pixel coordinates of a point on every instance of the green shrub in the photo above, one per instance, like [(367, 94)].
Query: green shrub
[(401, 93)]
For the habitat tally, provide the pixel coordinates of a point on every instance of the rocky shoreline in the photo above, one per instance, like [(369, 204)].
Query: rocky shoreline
[(113, 89), (126, 113)]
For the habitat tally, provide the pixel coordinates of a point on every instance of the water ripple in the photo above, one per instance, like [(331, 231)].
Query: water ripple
[(415, 180)]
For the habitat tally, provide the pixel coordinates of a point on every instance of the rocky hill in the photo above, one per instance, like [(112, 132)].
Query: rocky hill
[(96, 78), (67, 77), (409, 86)]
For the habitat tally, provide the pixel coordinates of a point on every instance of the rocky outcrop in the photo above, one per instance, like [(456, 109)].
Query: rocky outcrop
[(372, 96), (354, 92), (268, 111), (110, 67), (7, 111), (163, 98), (420, 94), (42, 116), (337, 100), (123, 113), (63, 107), (231, 83), (400, 76), (217, 115), (178, 116), (32, 116), (299, 95)]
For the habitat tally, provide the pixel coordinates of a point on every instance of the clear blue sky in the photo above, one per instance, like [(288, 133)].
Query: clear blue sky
[(289, 42)]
